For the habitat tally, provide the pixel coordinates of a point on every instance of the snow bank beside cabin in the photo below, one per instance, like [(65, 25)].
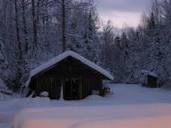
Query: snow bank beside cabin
[(130, 106), (129, 116)]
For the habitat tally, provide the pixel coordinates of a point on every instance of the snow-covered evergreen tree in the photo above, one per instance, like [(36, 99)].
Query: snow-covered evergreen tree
[(107, 42)]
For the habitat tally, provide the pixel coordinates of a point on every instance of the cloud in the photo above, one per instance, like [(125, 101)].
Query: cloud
[(122, 12), (122, 19), (123, 5)]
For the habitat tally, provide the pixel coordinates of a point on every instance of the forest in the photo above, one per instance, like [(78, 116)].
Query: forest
[(34, 31)]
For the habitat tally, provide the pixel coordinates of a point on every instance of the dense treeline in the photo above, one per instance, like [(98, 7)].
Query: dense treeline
[(146, 48), (33, 31)]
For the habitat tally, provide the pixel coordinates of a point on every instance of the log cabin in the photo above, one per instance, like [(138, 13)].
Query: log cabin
[(69, 76)]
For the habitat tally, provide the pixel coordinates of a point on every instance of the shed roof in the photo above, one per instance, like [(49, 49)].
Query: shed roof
[(149, 73), (63, 56)]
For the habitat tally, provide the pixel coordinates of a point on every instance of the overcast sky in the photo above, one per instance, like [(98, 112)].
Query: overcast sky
[(122, 12)]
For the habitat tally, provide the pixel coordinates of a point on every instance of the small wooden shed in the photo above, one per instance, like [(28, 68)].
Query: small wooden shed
[(69, 76), (151, 79)]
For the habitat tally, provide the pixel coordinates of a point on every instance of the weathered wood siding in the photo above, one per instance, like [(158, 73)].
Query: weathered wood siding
[(53, 78)]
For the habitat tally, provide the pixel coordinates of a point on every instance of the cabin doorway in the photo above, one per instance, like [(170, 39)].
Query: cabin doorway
[(71, 89), (54, 88), (152, 81)]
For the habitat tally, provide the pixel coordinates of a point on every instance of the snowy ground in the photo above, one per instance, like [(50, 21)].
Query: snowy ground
[(131, 106)]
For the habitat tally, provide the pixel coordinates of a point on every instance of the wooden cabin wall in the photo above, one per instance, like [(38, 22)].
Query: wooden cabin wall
[(52, 79), (86, 87), (47, 83), (90, 84)]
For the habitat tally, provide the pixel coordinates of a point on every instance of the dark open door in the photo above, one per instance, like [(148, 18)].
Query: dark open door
[(71, 90), (152, 82), (55, 88)]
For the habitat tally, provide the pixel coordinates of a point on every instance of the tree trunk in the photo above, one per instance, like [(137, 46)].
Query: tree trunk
[(34, 21), (63, 26), (24, 26), (19, 50)]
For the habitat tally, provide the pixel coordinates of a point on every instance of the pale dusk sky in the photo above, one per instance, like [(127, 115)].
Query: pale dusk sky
[(122, 12)]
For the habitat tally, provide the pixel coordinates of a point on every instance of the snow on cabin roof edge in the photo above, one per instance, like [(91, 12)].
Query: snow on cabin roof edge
[(64, 55)]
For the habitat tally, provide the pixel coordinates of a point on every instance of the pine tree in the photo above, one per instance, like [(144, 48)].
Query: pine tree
[(107, 42)]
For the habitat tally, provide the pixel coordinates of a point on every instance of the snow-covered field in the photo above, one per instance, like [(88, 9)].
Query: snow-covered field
[(131, 106)]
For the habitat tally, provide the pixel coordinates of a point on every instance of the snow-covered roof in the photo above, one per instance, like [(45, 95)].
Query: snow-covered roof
[(149, 73), (62, 57)]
